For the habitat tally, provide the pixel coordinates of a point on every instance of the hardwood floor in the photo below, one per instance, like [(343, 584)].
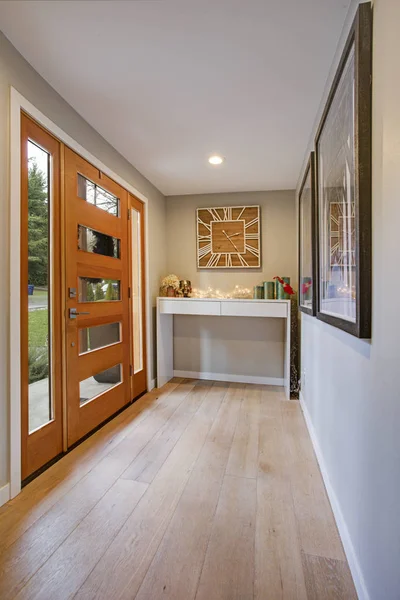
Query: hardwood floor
[(200, 490)]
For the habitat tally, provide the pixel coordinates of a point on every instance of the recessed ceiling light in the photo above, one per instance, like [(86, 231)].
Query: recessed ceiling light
[(216, 160)]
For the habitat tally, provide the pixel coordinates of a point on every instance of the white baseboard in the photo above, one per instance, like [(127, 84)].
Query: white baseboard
[(354, 565), (4, 494), (152, 385), (230, 378)]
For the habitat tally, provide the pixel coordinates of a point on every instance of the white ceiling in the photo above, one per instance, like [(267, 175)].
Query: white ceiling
[(170, 82)]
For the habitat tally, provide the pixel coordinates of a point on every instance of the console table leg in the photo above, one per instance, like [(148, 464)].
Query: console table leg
[(165, 348)]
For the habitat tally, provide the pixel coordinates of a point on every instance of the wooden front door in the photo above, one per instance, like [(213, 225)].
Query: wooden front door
[(98, 333), (83, 334)]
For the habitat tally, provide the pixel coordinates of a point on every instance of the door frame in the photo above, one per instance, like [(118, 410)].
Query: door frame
[(17, 104)]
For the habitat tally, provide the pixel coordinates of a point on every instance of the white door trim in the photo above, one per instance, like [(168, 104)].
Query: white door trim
[(18, 103)]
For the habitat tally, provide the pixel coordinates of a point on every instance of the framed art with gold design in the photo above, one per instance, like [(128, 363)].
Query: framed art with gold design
[(228, 237), (307, 241), (343, 185)]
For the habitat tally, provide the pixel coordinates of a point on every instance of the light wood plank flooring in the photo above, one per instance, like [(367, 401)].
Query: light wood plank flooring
[(200, 490)]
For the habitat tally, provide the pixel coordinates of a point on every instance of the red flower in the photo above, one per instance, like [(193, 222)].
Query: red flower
[(279, 279), (288, 289), (305, 287)]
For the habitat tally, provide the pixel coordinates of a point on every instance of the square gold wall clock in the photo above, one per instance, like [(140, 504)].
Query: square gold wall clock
[(228, 237)]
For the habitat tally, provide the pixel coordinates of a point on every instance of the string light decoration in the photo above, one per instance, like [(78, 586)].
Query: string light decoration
[(237, 292)]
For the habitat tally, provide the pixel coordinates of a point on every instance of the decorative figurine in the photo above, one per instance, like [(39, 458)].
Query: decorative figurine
[(185, 287)]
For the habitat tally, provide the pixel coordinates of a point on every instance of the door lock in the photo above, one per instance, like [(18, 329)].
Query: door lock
[(73, 313)]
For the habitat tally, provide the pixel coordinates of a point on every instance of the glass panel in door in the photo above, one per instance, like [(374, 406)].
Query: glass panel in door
[(98, 196), (98, 289), (97, 242), (100, 336), (97, 384)]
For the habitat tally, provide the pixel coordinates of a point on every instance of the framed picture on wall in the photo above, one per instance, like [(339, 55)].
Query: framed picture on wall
[(343, 178), (307, 242)]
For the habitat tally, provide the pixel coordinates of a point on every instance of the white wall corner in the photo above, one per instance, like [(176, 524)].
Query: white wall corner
[(351, 556)]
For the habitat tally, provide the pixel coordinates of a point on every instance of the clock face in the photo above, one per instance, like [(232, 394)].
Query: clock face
[(342, 234), (228, 237)]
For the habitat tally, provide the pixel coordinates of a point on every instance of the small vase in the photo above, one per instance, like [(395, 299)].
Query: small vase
[(170, 292), (258, 292), (185, 287), (279, 293), (269, 290)]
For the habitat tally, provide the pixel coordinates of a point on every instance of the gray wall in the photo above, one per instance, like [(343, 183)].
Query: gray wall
[(351, 387), (278, 241), (16, 72)]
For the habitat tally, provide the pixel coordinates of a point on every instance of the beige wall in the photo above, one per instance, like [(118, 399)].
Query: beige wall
[(279, 255), (255, 345), (16, 72)]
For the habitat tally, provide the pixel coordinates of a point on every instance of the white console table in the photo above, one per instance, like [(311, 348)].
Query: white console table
[(168, 307)]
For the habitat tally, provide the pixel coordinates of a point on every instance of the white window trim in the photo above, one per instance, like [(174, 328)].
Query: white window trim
[(18, 103)]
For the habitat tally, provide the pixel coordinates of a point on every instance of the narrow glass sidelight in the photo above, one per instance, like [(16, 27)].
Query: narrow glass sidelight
[(137, 308), (96, 385), (96, 195), (39, 286)]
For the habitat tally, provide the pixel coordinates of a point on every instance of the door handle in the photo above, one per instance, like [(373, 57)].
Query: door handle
[(73, 313)]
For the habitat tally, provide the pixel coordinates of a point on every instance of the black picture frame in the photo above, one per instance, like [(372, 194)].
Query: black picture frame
[(309, 174), (358, 261)]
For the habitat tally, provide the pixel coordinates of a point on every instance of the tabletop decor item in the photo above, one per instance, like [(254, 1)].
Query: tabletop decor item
[(307, 241), (258, 292), (185, 287), (269, 290), (169, 286), (283, 289), (228, 237), (238, 292), (343, 174)]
